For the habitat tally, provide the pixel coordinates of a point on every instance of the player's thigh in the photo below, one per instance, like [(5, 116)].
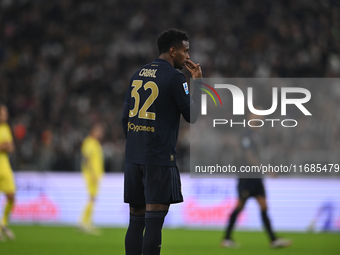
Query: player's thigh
[(157, 207), (261, 200), (162, 185), (7, 183), (137, 209), (240, 204), (133, 184), (92, 187)]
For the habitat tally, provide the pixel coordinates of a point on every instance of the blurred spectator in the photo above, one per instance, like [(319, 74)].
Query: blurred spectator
[(47, 157)]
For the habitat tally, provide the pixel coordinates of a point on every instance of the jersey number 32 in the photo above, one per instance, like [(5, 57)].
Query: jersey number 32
[(142, 113)]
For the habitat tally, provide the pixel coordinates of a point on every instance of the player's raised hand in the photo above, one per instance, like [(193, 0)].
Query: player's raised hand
[(194, 69)]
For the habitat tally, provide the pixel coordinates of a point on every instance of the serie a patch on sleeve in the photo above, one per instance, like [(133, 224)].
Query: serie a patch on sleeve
[(186, 89)]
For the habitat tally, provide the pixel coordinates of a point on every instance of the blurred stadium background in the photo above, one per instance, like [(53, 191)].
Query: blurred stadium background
[(66, 64)]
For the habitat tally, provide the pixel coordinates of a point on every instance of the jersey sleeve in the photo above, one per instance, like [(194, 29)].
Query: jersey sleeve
[(86, 149), (180, 89), (9, 137), (188, 106), (6, 134)]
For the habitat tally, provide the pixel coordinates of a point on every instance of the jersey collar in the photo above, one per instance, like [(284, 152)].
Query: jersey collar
[(159, 60)]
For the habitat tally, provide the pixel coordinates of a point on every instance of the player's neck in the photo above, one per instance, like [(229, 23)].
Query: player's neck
[(94, 137), (167, 57)]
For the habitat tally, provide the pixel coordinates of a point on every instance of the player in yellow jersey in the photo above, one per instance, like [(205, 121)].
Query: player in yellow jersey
[(92, 169), (7, 184)]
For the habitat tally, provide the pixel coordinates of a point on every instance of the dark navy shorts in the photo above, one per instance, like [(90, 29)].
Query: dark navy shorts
[(252, 187), (152, 184)]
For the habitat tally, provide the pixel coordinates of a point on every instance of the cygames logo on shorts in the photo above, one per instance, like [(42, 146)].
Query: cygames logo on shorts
[(295, 96)]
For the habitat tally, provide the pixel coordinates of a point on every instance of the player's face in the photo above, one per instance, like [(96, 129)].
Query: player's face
[(3, 114), (182, 55), (98, 132)]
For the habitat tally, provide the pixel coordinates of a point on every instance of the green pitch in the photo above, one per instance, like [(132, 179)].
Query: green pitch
[(36, 240)]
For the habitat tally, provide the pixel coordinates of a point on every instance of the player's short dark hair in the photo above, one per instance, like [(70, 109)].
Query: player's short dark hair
[(170, 38)]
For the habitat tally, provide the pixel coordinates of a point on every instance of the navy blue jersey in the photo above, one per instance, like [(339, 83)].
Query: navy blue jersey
[(157, 95)]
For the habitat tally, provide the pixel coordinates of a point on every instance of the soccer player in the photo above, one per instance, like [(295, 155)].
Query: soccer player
[(7, 184), (158, 94), (252, 187), (92, 168)]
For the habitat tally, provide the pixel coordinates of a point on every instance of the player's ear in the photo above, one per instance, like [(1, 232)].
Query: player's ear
[(172, 51)]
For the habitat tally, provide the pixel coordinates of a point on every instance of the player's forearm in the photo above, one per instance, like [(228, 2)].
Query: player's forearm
[(191, 113), (7, 147)]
